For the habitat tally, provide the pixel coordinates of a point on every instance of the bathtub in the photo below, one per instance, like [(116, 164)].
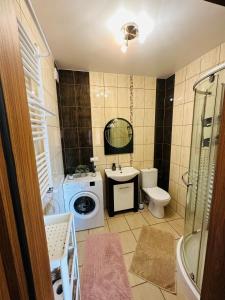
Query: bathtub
[(186, 290)]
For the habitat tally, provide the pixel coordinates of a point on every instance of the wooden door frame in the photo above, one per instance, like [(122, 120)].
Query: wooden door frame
[(213, 287), (26, 203)]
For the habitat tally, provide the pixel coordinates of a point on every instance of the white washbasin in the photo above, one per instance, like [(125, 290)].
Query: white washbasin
[(125, 174)]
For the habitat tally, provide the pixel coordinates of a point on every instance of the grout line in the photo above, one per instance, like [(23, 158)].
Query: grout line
[(162, 294)]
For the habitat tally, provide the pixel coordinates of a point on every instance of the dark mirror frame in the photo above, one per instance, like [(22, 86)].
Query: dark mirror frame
[(109, 149)]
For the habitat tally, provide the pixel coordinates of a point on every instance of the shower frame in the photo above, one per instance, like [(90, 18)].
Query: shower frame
[(213, 287)]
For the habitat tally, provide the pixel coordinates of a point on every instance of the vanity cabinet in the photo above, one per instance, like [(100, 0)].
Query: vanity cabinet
[(121, 196)]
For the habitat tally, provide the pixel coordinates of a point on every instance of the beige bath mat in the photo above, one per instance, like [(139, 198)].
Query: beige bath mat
[(154, 259)]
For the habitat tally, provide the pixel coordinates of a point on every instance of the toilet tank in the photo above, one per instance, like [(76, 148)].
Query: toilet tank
[(149, 178)]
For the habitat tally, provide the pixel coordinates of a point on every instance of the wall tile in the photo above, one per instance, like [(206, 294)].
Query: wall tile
[(138, 152), (110, 113), (138, 135), (174, 172), (85, 155), (188, 113), (123, 80), (185, 155), (70, 137), (84, 116), (123, 97), (222, 53), (85, 137), (98, 117), (96, 78), (148, 135), (99, 152), (178, 115), (150, 97), (111, 97), (138, 117), (150, 83), (180, 76), (124, 113), (139, 98), (81, 78), (179, 94), (186, 135), (210, 59), (177, 135), (193, 68), (69, 116), (82, 95), (110, 79), (98, 134), (72, 159), (148, 152), (149, 117), (189, 92), (97, 96), (66, 76), (67, 95), (175, 154), (139, 81)]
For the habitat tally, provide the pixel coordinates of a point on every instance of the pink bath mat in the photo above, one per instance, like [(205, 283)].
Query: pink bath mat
[(104, 275)]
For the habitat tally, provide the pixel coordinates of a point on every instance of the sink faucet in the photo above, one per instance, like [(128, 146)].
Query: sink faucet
[(120, 168)]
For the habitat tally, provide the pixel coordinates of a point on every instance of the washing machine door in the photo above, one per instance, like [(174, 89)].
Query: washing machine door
[(84, 205)]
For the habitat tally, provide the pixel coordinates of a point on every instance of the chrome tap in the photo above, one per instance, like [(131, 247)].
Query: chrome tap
[(120, 168)]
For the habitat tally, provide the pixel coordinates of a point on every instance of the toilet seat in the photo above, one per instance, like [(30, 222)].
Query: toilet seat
[(156, 193)]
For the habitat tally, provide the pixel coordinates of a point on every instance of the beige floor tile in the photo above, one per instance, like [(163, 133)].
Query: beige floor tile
[(118, 224), (151, 220), (169, 296), (137, 233), (147, 291), (80, 252), (102, 229), (131, 213), (106, 215), (178, 225), (81, 235), (166, 227), (133, 279), (170, 214), (136, 221), (128, 241)]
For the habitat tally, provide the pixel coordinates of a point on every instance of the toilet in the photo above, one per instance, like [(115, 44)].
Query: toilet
[(158, 198)]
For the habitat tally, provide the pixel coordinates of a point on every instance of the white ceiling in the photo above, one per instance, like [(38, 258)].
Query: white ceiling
[(79, 38)]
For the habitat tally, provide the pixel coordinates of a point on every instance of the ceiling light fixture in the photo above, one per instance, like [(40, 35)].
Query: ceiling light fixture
[(126, 26), (130, 32)]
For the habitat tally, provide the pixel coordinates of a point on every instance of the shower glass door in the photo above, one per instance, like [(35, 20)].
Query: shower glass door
[(205, 130)]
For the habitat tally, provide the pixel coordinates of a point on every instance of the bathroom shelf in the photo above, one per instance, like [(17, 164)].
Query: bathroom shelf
[(62, 251)]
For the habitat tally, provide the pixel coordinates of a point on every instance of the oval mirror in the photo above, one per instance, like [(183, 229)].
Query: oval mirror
[(118, 136)]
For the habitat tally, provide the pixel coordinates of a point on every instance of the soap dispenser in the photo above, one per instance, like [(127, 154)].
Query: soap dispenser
[(113, 167)]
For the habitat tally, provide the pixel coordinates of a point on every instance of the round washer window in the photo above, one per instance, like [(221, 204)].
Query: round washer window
[(84, 205)]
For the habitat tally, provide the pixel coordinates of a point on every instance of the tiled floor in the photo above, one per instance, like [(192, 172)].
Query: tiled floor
[(129, 226)]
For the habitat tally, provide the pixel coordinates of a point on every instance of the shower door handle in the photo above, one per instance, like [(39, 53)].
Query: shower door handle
[(185, 181)]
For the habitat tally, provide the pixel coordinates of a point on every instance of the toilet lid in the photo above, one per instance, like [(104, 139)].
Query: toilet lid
[(157, 193)]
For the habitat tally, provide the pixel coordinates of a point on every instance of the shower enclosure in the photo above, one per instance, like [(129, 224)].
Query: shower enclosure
[(209, 92)]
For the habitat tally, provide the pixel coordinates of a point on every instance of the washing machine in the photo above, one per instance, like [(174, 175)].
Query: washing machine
[(84, 197)]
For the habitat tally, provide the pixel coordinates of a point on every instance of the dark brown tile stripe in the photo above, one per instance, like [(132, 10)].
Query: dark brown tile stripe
[(75, 118)]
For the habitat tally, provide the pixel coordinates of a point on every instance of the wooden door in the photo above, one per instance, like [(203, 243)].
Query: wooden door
[(23, 244), (213, 287)]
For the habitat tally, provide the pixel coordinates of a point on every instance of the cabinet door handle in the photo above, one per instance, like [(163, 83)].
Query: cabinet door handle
[(123, 188)]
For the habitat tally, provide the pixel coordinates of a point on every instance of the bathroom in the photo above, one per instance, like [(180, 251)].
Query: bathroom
[(112, 164)]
